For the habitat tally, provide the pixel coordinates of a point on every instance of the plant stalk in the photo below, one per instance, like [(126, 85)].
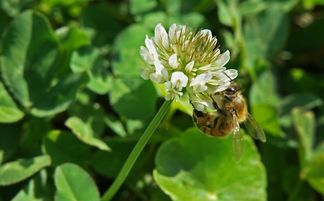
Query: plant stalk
[(129, 163)]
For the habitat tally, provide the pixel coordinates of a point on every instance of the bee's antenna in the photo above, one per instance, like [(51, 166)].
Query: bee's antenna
[(228, 76)]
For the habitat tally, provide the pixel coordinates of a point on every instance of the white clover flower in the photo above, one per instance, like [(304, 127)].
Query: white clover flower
[(182, 60)]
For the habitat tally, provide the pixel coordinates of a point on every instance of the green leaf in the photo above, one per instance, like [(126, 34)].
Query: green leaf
[(37, 189), (224, 13), (59, 97), (110, 163), (33, 132), (115, 125), (73, 183), (304, 101), (266, 33), (65, 147), (252, 7), (173, 7), (102, 31), (13, 8), (16, 171), (128, 61), (30, 66), (186, 6), (313, 171), (84, 59), (92, 113), (88, 59), (101, 81), (9, 136), (304, 124), (85, 133), (267, 117), (29, 53), (72, 37), (264, 102), (192, 19), (310, 4), (8, 110), (263, 90), (198, 167), (140, 6), (133, 98)]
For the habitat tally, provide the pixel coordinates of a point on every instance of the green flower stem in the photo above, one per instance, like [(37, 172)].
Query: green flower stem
[(109, 194)]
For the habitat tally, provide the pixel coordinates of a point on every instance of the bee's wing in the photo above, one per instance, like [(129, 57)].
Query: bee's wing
[(254, 128), (238, 143)]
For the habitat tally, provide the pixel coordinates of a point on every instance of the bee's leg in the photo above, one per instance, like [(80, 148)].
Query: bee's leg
[(219, 110), (214, 103), (218, 124)]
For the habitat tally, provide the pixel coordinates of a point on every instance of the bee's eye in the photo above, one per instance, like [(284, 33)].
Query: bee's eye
[(230, 90)]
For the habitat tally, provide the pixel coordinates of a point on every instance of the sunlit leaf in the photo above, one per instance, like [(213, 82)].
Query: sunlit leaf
[(267, 117), (88, 59), (313, 171), (198, 167), (304, 124), (85, 133), (84, 59), (8, 110), (264, 90), (73, 183), (128, 61), (16, 171)]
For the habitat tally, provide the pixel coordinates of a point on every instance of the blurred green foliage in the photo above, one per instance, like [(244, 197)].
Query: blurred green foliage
[(72, 103)]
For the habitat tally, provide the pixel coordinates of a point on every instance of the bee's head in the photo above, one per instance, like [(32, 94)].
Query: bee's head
[(232, 90)]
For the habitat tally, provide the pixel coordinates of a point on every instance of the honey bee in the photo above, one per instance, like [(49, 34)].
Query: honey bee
[(232, 110)]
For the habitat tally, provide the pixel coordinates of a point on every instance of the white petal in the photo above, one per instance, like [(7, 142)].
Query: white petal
[(219, 88), (165, 74), (223, 59), (232, 73), (146, 55), (189, 66), (181, 29), (151, 48), (160, 73), (201, 79), (200, 102), (173, 61), (198, 83), (179, 79), (172, 33), (161, 36), (171, 92), (158, 67), (206, 32), (206, 67)]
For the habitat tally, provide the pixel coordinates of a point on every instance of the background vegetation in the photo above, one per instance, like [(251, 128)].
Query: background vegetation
[(72, 103)]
